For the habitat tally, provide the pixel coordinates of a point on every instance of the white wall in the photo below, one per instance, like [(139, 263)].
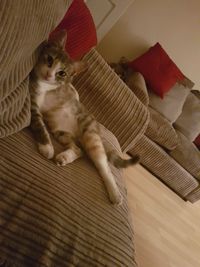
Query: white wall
[(173, 23)]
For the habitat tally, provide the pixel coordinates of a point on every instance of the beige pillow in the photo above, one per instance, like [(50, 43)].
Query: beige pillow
[(188, 122), (172, 103)]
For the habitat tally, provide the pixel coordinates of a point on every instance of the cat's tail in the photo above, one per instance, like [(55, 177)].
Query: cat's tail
[(119, 162)]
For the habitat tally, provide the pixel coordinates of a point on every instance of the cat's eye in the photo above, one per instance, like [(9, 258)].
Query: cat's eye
[(62, 73), (49, 60)]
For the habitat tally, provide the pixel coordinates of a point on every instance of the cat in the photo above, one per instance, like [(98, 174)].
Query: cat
[(56, 109)]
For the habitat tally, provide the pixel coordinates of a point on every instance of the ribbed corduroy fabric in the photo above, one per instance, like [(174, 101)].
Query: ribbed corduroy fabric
[(187, 155), (161, 131), (137, 84), (174, 169), (24, 25), (114, 105), (155, 159), (59, 216), (194, 196)]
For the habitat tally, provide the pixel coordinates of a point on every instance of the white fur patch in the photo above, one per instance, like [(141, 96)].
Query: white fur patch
[(40, 99), (66, 157), (115, 195), (65, 120), (45, 86), (46, 150), (109, 181)]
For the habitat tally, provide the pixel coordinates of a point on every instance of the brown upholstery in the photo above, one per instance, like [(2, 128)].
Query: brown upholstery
[(24, 26), (52, 216), (156, 160), (161, 131), (59, 216), (178, 168), (187, 155), (111, 101)]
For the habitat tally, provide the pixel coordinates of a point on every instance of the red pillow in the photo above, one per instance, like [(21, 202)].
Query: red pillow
[(197, 141), (159, 71), (81, 31)]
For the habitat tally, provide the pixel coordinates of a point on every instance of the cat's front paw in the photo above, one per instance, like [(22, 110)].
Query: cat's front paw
[(46, 150)]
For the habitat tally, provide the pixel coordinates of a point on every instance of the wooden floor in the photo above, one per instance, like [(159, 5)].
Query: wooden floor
[(167, 229)]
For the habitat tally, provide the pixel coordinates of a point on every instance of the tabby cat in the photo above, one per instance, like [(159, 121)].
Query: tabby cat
[(55, 108)]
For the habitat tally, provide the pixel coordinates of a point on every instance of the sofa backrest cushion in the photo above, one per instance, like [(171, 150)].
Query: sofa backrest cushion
[(136, 83), (188, 123), (187, 155), (171, 105), (161, 131)]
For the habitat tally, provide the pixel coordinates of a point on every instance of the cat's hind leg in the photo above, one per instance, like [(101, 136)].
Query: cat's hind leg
[(93, 145), (41, 133), (71, 152)]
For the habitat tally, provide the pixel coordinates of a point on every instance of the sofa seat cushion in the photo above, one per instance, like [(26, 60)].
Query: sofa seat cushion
[(59, 216), (111, 101), (187, 155), (161, 131)]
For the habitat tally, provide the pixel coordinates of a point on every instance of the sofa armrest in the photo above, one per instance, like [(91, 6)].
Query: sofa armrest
[(136, 83), (111, 101)]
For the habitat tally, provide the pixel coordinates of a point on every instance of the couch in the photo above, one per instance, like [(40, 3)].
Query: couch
[(164, 150), (49, 215)]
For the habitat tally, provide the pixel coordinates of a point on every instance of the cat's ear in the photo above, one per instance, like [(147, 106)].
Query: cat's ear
[(59, 37), (78, 66)]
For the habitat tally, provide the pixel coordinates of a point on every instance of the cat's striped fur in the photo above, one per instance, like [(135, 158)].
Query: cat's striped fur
[(56, 108)]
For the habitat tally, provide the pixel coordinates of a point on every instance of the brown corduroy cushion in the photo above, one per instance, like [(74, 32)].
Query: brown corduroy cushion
[(161, 131), (161, 164), (136, 83), (24, 26), (187, 155), (188, 122), (59, 216), (110, 100)]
